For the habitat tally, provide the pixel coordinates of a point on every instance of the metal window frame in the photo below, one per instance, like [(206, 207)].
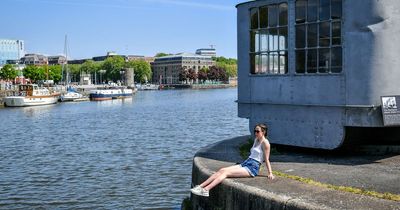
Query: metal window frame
[(318, 47)]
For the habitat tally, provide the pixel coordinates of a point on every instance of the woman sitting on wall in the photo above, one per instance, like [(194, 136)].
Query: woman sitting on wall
[(249, 168)]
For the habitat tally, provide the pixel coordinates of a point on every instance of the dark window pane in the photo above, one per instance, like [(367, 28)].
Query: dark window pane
[(263, 40), (283, 37), (273, 39), (263, 17), (336, 9), (324, 34), (312, 10), (252, 63), (273, 15), (336, 33), (283, 14), (312, 35), (254, 18), (283, 65), (324, 56), (301, 11), (312, 61), (254, 41), (336, 60), (324, 9), (300, 61), (300, 36)]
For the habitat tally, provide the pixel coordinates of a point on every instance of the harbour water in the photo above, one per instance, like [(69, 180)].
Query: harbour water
[(120, 154)]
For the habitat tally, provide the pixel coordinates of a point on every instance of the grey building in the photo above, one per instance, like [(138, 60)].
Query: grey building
[(34, 59), (315, 71), (166, 69), (57, 60)]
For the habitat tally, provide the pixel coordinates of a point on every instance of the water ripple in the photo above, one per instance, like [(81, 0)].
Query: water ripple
[(121, 154)]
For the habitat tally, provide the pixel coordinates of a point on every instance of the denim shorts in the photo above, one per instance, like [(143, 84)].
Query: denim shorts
[(252, 166)]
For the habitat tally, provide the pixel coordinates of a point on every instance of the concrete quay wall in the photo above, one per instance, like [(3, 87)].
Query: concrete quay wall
[(282, 193)]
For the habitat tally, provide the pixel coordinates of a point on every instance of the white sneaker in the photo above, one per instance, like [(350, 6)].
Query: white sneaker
[(200, 191)]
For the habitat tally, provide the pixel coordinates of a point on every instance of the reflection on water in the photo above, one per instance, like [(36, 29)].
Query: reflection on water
[(130, 154)]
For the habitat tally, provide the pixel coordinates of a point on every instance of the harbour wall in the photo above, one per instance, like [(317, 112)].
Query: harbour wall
[(284, 193)]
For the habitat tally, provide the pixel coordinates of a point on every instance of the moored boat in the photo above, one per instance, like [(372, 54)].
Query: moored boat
[(148, 86), (109, 94), (31, 95), (71, 95)]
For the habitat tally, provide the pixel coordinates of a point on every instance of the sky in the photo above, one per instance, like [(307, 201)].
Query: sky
[(127, 27)]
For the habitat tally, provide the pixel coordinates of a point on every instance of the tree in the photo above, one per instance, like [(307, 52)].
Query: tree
[(213, 73), (34, 73), (8, 72), (113, 65), (89, 67), (161, 54), (183, 75), (74, 71), (142, 70), (229, 64), (192, 75), (217, 73), (202, 74), (55, 73)]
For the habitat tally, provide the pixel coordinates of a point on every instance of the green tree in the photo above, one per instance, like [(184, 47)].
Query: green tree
[(34, 73), (89, 67), (228, 64), (8, 72), (161, 54), (74, 71), (55, 73), (142, 70), (113, 65)]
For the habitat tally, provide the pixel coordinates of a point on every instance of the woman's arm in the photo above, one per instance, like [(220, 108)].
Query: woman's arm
[(267, 149)]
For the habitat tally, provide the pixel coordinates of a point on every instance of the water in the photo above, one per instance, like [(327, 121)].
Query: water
[(121, 154)]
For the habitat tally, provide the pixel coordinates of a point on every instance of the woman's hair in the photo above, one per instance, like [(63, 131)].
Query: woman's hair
[(263, 127)]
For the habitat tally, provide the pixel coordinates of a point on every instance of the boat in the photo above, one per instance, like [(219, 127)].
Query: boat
[(31, 95), (148, 86), (71, 95), (110, 93)]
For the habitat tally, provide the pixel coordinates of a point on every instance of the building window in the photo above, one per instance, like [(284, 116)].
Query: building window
[(318, 36), (269, 39)]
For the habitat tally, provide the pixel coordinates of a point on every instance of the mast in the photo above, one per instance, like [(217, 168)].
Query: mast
[(66, 63)]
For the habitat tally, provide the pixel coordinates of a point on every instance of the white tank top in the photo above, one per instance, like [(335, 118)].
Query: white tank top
[(257, 152)]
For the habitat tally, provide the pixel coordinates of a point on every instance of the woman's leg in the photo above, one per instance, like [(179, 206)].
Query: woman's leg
[(232, 171)]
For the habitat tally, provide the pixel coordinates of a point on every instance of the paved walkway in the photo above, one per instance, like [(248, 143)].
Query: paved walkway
[(380, 173)]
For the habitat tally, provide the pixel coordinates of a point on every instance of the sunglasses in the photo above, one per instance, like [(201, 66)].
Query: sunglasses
[(257, 131)]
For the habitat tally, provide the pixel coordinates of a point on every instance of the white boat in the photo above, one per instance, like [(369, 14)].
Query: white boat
[(109, 94), (148, 86), (71, 95), (31, 95)]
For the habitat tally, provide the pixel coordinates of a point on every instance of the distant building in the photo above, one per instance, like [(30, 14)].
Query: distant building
[(207, 52), (11, 50), (139, 57), (34, 59), (57, 60), (166, 69)]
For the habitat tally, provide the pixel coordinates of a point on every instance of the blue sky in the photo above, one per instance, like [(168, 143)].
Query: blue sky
[(134, 27)]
